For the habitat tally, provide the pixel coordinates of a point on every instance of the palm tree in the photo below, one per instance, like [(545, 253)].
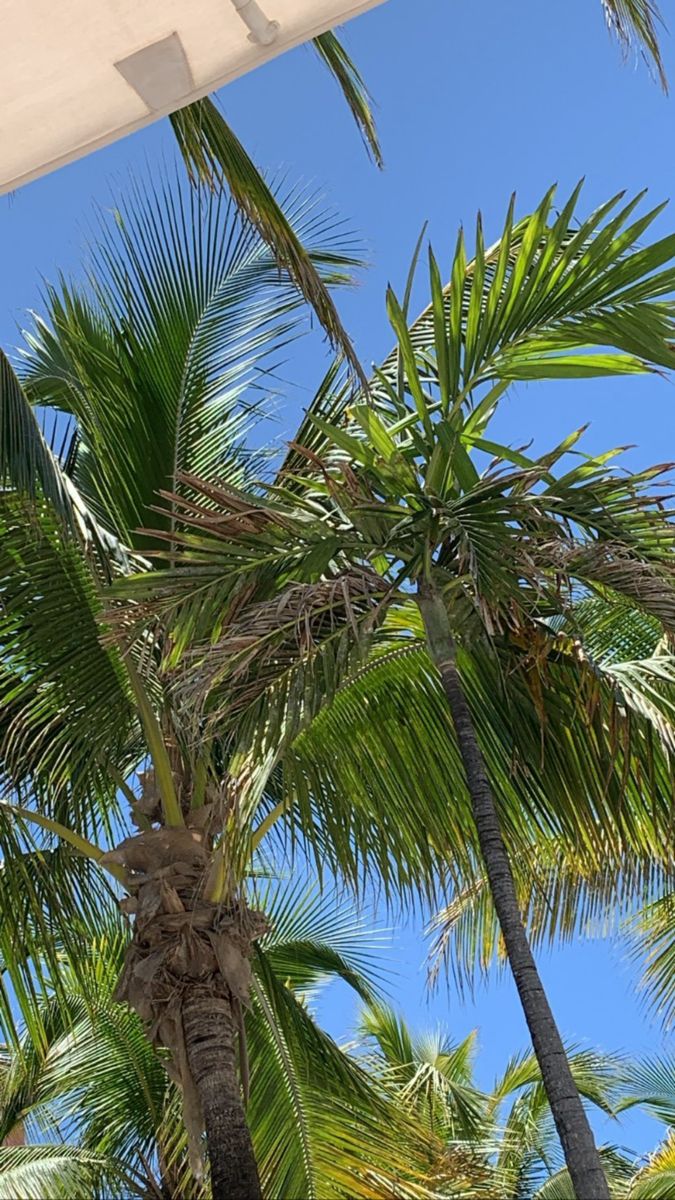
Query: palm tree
[(507, 1133), (150, 363), (561, 895), (158, 360), (88, 1072), (385, 497), (156, 367), (102, 1118)]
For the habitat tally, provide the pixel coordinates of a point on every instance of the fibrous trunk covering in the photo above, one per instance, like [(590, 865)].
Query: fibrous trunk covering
[(187, 974)]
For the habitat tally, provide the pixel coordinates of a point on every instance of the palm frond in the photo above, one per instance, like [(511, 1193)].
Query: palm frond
[(56, 1172), (430, 1075), (326, 1130), (26, 461), (47, 892), (619, 1171), (650, 1082), (214, 154), (652, 938), (333, 54), (545, 301), (656, 1179), (163, 358), (636, 22), (66, 711), (30, 469), (561, 902), (315, 937)]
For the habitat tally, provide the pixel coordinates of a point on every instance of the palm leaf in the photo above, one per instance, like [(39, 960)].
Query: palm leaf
[(26, 462), (206, 142), (58, 1172), (162, 360), (618, 1171), (30, 468), (635, 22), (66, 711), (430, 1075), (315, 938), (348, 78), (656, 1179), (652, 940), (329, 1136)]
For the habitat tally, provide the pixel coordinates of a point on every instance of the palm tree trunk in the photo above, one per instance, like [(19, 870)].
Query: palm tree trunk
[(209, 1029), (581, 1154)]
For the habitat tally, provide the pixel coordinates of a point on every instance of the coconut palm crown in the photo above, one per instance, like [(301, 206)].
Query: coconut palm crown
[(386, 499), (211, 678)]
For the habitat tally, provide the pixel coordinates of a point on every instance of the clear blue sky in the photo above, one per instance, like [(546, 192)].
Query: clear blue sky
[(475, 100)]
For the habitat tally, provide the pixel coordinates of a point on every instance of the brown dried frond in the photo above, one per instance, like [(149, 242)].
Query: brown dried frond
[(265, 639)]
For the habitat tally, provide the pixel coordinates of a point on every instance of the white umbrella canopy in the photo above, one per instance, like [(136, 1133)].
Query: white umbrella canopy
[(77, 75)]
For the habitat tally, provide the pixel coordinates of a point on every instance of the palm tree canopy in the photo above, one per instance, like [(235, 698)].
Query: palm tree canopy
[(509, 1129), (101, 1118), (174, 354), (560, 896), (372, 493)]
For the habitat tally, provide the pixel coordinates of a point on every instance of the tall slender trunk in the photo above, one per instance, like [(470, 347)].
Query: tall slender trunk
[(581, 1154), (209, 1028)]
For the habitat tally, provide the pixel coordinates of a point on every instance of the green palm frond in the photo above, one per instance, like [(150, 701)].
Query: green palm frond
[(214, 154), (56, 1172), (656, 1179), (66, 709), (650, 1083), (561, 902), (329, 403), (334, 56), (47, 893), (507, 1133), (315, 938), (529, 1153), (599, 1077), (30, 468), (614, 632), (560, 898), (333, 1126), (548, 294), (431, 1076), (91, 1074), (367, 740), (26, 461), (652, 939), (203, 158), (619, 1171), (162, 360)]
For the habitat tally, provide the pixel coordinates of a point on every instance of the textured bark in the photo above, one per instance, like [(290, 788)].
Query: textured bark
[(581, 1154), (210, 1029), (187, 974)]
